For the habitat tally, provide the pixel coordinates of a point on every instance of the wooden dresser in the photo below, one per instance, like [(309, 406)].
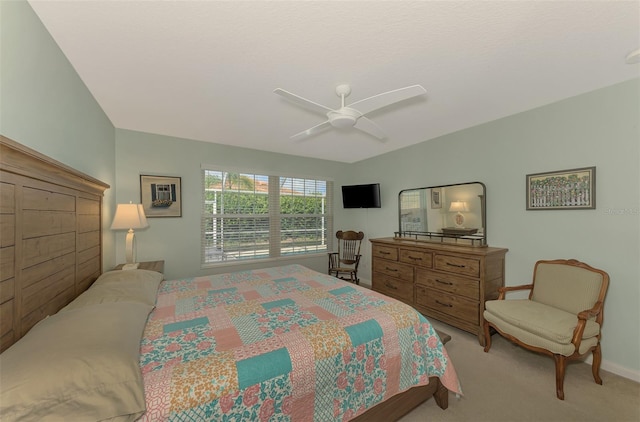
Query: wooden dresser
[(448, 283)]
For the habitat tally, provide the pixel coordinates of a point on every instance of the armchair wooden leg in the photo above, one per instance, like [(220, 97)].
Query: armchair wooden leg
[(595, 365), (561, 364), (487, 336)]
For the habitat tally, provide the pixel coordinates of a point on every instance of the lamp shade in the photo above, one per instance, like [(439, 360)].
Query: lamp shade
[(458, 206), (129, 216)]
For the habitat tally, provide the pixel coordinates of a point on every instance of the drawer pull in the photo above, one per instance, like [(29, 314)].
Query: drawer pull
[(455, 265), (415, 258), (384, 253), (389, 286), (448, 283), (448, 305), (391, 269)]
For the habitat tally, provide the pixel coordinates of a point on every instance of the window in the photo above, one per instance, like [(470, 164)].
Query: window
[(257, 216)]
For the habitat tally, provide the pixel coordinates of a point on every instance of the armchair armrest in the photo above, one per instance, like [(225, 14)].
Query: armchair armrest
[(593, 312), (582, 322), (503, 290)]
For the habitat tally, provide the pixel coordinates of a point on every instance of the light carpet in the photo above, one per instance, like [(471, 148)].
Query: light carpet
[(512, 384)]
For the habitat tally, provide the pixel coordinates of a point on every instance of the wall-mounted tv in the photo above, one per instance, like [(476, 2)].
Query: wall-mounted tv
[(361, 196)]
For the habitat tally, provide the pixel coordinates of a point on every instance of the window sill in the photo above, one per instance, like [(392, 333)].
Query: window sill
[(253, 262)]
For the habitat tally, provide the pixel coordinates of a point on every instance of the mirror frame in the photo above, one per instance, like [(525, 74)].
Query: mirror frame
[(435, 236)]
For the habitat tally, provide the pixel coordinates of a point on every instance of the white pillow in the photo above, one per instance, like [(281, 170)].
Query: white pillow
[(120, 286), (82, 364)]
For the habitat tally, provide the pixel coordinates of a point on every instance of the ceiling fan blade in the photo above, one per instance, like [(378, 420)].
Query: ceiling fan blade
[(302, 101), (311, 131), (387, 98), (368, 126)]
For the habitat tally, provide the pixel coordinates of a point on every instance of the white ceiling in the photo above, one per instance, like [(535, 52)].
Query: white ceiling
[(206, 70)]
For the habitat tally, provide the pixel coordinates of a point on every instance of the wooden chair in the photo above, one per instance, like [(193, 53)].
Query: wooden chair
[(344, 263), (561, 318)]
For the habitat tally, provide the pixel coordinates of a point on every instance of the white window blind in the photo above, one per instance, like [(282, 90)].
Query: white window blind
[(248, 216)]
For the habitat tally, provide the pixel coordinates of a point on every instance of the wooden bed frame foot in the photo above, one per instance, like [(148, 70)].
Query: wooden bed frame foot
[(441, 396)]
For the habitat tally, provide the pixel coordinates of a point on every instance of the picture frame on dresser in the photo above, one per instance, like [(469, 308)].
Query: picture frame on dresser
[(436, 198), (161, 196)]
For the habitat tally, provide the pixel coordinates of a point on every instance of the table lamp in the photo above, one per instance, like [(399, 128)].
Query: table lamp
[(458, 207), (128, 217)]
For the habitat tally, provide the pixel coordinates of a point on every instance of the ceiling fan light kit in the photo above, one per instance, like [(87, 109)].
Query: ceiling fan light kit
[(353, 115), (345, 117)]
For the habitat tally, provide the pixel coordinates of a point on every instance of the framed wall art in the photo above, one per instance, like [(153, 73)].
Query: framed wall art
[(573, 189), (436, 198), (161, 196)]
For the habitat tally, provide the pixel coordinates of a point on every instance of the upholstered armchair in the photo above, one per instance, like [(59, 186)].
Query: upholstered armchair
[(561, 318), (344, 263)]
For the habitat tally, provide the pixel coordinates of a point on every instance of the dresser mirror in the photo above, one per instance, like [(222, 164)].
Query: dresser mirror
[(447, 214)]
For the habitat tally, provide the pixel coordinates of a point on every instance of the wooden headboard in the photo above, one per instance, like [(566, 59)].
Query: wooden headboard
[(50, 237)]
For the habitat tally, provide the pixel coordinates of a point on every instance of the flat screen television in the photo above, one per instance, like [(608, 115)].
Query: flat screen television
[(361, 196)]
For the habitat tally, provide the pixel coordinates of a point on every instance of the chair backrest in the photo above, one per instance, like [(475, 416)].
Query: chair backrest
[(349, 245), (569, 285)]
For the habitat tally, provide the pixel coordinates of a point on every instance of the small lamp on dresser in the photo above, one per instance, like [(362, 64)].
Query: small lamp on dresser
[(129, 217), (458, 207)]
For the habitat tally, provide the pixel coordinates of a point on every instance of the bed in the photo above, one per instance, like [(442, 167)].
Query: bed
[(282, 343), (286, 341)]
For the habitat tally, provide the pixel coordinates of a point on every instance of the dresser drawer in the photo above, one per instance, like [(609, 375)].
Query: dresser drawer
[(390, 286), (416, 257), (394, 269), (456, 306), (449, 283), (458, 265), (386, 252)]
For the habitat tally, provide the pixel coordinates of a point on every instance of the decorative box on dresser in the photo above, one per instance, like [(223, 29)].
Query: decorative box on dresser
[(446, 282)]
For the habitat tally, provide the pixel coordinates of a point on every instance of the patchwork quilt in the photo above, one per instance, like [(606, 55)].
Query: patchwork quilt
[(282, 344)]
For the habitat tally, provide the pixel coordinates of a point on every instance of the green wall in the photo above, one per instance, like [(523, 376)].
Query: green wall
[(46, 106), (598, 129), (177, 240)]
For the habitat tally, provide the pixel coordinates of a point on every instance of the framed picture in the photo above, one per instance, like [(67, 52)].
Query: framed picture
[(161, 196), (573, 189), (436, 198)]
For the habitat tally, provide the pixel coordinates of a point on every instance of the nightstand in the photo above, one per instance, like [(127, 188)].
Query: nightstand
[(148, 265)]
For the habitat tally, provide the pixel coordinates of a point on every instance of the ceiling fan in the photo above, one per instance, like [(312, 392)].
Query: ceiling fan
[(352, 115)]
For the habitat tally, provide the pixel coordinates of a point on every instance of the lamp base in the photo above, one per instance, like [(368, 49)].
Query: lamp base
[(130, 247), (459, 220), (133, 266)]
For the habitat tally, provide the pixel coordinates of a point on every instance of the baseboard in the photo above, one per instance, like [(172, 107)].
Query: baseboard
[(365, 283), (614, 368)]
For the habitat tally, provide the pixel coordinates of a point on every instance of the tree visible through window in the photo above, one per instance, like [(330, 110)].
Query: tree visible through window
[(253, 216)]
